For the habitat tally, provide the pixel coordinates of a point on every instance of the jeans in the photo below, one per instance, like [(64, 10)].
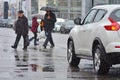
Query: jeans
[(49, 39), (35, 38), (18, 37)]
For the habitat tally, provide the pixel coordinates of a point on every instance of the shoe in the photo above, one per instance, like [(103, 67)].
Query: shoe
[(44, 46), (24, 49), (28, 43), (36, 44), (14, 47), (37, 39), (52, 46)]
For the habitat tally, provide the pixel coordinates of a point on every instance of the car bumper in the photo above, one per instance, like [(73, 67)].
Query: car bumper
[(113, 58), (113, 47), (113, 53)]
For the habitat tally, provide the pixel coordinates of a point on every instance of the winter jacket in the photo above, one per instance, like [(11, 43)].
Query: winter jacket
[(35, 25), (21, 26), (49, 23)]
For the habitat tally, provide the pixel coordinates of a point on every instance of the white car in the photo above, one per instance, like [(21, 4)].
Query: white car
[(97, 38), (58, 24)]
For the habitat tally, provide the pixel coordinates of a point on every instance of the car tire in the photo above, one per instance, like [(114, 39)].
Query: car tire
[(100, 66), (62, 30), (71, 57)]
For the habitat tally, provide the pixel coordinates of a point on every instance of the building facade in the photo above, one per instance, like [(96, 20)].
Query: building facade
[(69, 9), (34, 6), (1, 8), (41, 3), (88, 4)]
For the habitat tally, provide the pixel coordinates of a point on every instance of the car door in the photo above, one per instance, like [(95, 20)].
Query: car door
[(89, 29), (82, 31)]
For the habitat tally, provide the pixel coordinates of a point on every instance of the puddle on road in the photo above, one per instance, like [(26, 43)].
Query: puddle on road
[(87, 73), (49, 70)]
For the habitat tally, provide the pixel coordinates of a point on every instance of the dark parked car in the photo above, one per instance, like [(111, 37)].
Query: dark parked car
[(67, 26), (1, 23)]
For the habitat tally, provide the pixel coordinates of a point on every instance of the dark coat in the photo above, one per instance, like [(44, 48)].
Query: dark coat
[(35, 25), (49, 23), (21, 26)]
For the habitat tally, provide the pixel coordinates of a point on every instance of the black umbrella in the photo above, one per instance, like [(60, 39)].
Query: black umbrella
[(49, 9)]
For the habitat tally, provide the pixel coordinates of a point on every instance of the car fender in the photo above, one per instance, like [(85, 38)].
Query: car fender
[(73, 36), (97, 41)]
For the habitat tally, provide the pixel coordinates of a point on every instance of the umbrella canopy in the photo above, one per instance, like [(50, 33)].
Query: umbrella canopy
[(50, 9), (39, 16)]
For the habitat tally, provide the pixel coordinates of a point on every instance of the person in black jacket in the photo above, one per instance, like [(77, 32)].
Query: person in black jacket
[(21, 29), (49, 23)]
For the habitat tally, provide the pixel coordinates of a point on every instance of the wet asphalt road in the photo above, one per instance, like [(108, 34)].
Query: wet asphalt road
[(48, 64)]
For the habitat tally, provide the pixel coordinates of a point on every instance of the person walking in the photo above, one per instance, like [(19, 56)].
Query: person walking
[(35, 25), (49, 23), (21, 29)]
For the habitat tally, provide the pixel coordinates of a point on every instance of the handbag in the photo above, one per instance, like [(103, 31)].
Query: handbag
[(42, 34)]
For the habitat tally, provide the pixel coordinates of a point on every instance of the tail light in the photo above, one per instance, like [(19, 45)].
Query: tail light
[(117, 46), (113, 27)]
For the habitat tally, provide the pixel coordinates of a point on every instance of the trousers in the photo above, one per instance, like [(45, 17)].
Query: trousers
[(18, 37), (34, 37), (49, 38)]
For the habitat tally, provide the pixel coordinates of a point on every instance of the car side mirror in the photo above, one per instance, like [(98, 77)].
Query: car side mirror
[(77, 21)]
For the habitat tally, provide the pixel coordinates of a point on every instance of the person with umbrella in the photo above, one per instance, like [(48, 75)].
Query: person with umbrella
[(49, 23)]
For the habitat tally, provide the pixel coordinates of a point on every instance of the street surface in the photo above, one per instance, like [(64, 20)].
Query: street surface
[(48, 64)]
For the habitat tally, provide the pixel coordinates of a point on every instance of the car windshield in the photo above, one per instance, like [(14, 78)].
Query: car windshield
[(115, 15), (71, 23), (59, 23)]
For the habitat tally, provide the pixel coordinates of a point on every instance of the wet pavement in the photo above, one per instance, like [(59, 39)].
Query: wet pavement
[(47, 64)]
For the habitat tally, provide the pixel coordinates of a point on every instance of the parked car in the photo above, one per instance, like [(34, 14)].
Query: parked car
[(1, 23), (4, 22), (11, 23), (58, 24), (7, 22), (67, 26), (97, 38)]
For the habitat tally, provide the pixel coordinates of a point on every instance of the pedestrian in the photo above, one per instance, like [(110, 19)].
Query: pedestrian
[(49, 22), (34, 28), (42, 25), (21, 29)]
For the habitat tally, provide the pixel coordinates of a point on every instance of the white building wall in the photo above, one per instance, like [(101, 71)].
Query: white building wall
[(88, 4)]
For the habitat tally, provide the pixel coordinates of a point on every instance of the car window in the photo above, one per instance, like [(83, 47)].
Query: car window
[(70, 23), (90, 16), (100, 14), (115, 15)]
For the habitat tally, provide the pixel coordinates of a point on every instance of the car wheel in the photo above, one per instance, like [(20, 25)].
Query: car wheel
[(71, 57), (62, 30), (99, 63)]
